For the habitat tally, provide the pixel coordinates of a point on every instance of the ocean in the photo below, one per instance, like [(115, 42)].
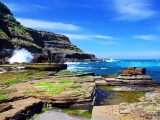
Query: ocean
[(114, 66)]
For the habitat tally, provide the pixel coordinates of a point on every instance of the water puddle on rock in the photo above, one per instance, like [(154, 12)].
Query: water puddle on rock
[(104, 97), (107, 97)]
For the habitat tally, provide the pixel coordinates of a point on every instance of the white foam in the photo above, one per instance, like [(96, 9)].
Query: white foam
[(20, 56), (110, 60), (104, 68)]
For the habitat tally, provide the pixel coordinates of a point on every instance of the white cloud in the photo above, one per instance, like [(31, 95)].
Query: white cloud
[(104, 37), (133, 9), (38, 24), (147, 37), (16, 7), (23, 8), (79, 37), (109, 43), (88, 37), (41, 7)]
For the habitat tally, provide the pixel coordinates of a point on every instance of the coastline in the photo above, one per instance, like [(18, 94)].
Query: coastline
[(73, 86)]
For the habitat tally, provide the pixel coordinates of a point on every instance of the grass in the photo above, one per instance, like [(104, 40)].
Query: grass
[(51, 88), (11, 82), (27, 43), (20, 29), (9, 78), (66, 72), (7, 91), (4, 92), (47, 108), (131, 96), (3, 35), (83, 113), (42, 67), (76, 86), (78, 94), (2, 97), (11, 17), (66, 81), (11, 28), (48, 85), (71, 51)]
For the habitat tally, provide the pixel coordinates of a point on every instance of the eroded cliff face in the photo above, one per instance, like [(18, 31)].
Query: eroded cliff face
[(13, 35)]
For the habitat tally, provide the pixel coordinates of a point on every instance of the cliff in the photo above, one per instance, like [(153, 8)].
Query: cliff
[(13, 35)]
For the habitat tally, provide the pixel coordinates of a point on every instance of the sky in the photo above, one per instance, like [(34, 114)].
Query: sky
[(117, 29)]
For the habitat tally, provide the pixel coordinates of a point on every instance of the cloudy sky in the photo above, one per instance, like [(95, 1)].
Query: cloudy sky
[(107, 28)]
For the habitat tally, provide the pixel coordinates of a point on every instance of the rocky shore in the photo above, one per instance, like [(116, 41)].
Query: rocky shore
[(76, 90)]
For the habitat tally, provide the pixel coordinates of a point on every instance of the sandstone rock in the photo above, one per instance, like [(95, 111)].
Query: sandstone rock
[(140, 71), (134, 71), (21, 108), (132, 68), (5, 107), (132, 76)]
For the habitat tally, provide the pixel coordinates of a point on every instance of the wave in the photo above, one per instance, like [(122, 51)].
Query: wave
[(110, 60), (104, 68), (75, 68), (110, 66), (72, 63)]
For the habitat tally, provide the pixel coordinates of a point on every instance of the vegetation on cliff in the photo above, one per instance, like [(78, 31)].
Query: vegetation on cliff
[(3, 36), (35, 41)]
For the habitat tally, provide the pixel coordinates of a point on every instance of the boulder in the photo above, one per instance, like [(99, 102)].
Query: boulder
[(134, 71), (140, 71)]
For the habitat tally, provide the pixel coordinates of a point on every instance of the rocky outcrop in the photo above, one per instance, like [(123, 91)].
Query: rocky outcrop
[(13, 35), (21, 109), (134, 71), (132, 76)]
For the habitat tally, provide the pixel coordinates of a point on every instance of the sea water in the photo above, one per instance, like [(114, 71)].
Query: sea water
[(114, 66)]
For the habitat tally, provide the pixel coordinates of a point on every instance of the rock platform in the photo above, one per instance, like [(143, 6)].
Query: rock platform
[(131, 76), (29, 98), (132, 79), (20, 108), (148, 108), (79, 92)]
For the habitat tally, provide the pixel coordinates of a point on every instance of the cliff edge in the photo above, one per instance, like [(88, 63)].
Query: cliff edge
[(13, 35)]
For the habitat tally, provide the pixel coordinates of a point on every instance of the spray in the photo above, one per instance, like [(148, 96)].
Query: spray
[(20, 56)]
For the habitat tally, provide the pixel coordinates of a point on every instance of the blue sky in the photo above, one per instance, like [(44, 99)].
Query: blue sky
[(107, 28)]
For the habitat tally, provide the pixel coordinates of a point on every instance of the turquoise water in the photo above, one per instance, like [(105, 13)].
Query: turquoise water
[(114, 66)]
